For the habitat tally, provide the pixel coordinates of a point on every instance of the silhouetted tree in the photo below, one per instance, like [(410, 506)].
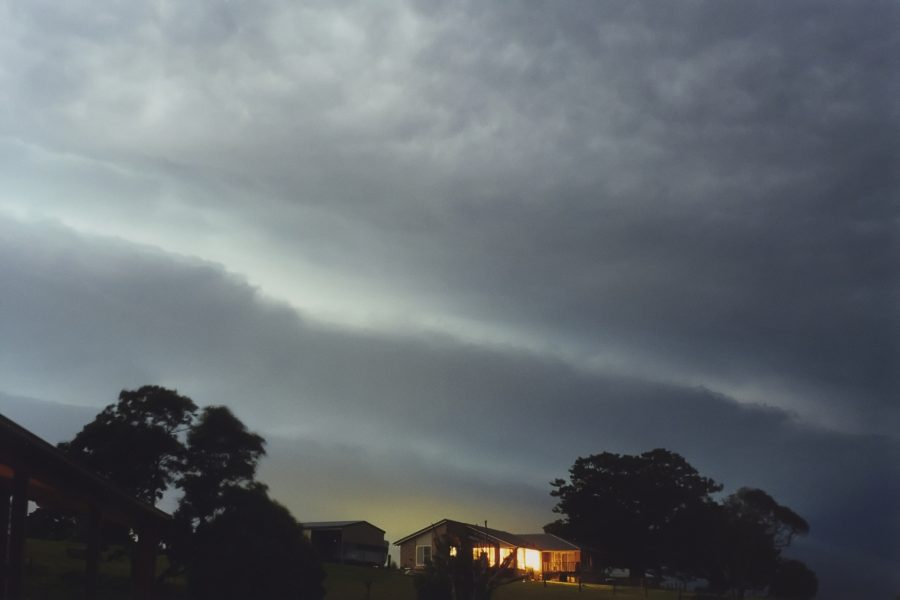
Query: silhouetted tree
[(253, 548), (636, 508), (794, 581), (749, 532), (221, 454), (136, 442), (462, 576), (436, 582)]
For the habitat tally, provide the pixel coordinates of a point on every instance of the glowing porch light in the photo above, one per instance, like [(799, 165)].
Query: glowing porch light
[(529, 559)]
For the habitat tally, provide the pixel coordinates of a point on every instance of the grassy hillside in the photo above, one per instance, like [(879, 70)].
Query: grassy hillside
[(349, 583), (55, 572), (344, 582)]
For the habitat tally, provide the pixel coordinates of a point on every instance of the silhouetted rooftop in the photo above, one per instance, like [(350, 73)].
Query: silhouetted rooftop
[(335, 525)]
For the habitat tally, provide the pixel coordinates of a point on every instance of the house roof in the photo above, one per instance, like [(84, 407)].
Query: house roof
[(502, 536), (538, 541), (547, 541), (336, 525), (478, 530)]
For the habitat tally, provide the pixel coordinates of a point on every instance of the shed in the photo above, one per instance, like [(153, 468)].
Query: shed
[(354, 542)]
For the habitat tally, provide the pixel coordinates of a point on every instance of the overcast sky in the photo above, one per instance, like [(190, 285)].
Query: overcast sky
[(435, 251)]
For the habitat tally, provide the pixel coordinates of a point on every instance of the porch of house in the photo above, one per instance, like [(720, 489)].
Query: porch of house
[(33, 470)]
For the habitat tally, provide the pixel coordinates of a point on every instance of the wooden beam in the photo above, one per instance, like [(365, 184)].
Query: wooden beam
[(144, 563), (92, 556), (15, 584), (4, 536)]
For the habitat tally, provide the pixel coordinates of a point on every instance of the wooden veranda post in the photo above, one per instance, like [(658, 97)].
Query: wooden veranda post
[(15, 584), (33, 469), (144, 564), (4, 535), (92, 556)]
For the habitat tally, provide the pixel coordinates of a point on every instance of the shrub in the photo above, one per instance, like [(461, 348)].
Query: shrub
[(253, 549)]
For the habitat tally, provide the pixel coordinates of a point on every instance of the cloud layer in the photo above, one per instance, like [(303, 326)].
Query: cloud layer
[(359, 419)]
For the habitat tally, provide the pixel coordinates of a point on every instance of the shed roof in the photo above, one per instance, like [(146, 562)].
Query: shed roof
[(336, 525)]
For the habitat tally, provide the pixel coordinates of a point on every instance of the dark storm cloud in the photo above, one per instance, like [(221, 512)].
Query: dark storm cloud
[(704, 191), (738, 221), (455, 422)]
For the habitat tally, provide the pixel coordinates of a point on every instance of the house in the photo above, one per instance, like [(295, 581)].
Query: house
[(540, 555), (356, 542)]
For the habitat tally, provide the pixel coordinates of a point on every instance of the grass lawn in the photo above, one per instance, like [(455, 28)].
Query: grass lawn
[(563, 591), (53, 573), (344, 582), (349, 583)]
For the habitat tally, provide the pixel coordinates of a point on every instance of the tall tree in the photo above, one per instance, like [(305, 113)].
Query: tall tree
[(137, 442), (253, 548), (751, 530), (221, 454), (633, 507), (794, 580)]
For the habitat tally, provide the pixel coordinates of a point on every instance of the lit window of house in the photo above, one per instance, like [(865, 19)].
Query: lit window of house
[(423, 555)]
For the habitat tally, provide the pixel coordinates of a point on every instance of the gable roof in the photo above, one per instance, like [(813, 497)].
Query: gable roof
[(335, 525), (476, 530), (537, 541), (423, 530)]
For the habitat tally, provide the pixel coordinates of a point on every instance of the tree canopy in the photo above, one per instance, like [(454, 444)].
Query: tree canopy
[(253, 548), (631, 506), (136, 442), (750, 531), (221, 454), (794, 580), (234, 541), (654, 510)]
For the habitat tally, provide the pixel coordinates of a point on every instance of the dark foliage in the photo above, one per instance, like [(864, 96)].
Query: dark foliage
[(637, 508), (656, 511), (253, 548), (135, 442), (750, 531), (221, 454), (461, 577), (794, 581)]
